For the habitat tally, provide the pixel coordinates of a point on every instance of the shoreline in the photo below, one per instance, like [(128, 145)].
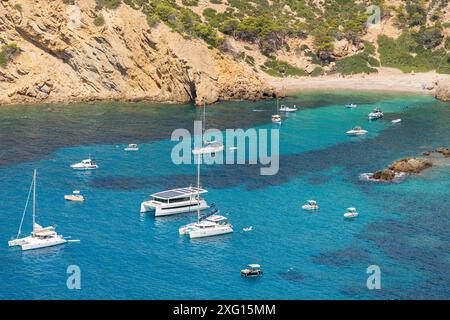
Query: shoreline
[(387, 80)]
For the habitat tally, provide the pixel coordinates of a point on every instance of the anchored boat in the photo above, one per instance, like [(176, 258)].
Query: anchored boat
[(175, 201), (40, 237), (311, 205), (87, 164), (132, 147), (351, 213), (75, 196), (376, 114), (252, 270), (357, 131)]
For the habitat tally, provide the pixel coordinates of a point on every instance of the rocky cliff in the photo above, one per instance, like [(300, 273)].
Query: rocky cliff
[(66, 55)]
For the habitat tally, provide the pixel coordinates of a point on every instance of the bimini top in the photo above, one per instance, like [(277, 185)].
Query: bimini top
[(178, 193), (254, 266)]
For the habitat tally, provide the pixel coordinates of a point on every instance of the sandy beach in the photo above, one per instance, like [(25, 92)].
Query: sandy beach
[(386, 79)]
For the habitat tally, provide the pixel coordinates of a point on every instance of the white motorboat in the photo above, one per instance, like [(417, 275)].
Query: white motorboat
[(87, 164), (40, 237), (350, 105), (376, 114), (75, 196), (210, 225), (248, 229), (356, 131), (175, 201), (211, 148), (396, 121), (288, 109), (276, 118), (132, 147), (252, 270), (351, 213), (311, 205)]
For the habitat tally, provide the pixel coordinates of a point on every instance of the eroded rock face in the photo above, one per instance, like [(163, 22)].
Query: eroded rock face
[(443, 90), (66, 58)]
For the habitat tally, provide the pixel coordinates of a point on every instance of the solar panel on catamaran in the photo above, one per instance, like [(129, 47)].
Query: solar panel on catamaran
[(178, 193)]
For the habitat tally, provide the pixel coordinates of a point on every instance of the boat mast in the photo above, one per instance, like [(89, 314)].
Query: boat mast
[(198, 188), (34, 200)]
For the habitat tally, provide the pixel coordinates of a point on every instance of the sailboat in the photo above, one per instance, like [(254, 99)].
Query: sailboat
[(211, 146), (276, 118), (213, 224), (40, 237)]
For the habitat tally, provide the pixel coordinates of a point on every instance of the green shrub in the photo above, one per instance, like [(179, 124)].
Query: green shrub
[(18, 7), (108, 4), (99, 20), (7, 53), (355, 64), (191, 3), (279, 68), (407, 55), (429, 38), (250, 60), (316, 72)]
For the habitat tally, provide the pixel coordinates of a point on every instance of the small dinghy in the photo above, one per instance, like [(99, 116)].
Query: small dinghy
[(396, 121), (276, 118), (350, 105), (75, 196), (311, 205), (248, 229), (351, 213)]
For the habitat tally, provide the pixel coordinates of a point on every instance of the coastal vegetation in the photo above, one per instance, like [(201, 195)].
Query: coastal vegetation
[(270, 26)]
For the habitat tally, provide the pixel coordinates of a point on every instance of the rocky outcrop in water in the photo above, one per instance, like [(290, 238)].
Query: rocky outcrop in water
[(443, 90), (66, 55), (400, 168)]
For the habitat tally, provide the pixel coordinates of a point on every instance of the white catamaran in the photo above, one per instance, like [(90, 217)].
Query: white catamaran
[(40, 237)]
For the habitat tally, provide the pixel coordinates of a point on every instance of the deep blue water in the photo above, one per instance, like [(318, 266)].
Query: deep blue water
[(402, 227)]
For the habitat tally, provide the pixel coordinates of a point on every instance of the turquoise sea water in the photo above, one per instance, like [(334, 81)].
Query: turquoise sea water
[(402, 227)]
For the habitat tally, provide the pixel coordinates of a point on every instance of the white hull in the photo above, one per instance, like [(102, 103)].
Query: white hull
[(350, 215), (84, 168), (288, 109), (30, 243), (309, 207), (195, 234), (356, 133), (150, 206), (77, 198)]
